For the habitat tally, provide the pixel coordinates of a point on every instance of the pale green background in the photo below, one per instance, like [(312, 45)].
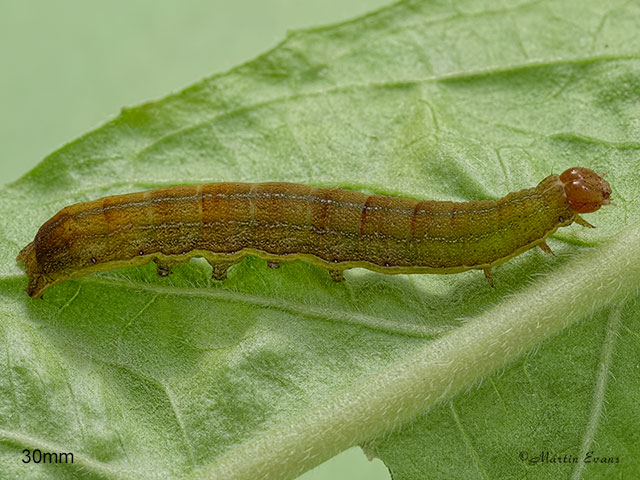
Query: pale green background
[(66, 67)]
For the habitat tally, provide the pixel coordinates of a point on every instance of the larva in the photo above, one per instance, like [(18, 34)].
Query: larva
[(334, 228)]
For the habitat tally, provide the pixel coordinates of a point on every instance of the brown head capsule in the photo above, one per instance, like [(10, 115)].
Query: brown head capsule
[(586, 190)]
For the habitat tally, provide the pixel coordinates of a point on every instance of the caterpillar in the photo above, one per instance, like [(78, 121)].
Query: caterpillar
[(334, 228)]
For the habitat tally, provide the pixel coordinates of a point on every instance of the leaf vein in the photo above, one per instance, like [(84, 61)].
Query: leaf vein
[(368, 321), (613, 326), (467, 440)]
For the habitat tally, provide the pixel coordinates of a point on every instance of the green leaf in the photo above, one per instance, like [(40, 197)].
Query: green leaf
[(274, 371)]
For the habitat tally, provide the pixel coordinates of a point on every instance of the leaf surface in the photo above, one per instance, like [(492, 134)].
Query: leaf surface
[(275, 371)]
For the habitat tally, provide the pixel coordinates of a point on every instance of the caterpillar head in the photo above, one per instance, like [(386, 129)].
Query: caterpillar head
[(586, 191)]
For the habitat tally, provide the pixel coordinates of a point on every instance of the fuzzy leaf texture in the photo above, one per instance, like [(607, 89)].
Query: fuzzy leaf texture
[(274, 371)]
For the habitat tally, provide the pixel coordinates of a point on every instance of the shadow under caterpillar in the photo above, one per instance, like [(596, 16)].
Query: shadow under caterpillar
[(334, 228)]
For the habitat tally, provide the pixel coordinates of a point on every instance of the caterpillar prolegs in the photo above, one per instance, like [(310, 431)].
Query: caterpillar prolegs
[(334, 228)]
